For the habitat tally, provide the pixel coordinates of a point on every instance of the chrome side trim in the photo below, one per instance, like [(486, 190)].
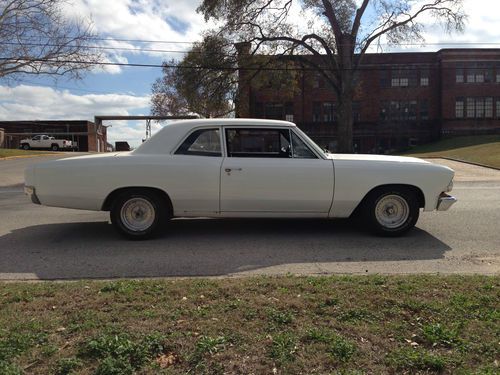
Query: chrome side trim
[(445, 201)]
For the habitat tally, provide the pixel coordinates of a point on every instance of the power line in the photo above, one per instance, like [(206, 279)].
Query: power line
[(400, 66), (95, 47), (140, 49)]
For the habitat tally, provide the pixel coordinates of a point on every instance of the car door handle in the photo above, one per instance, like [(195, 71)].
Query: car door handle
[(232, 169)]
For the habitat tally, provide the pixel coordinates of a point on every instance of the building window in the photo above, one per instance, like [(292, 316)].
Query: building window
[(399, 78), (479, 73), (318, 81), (356, 111), (384, 110), (459, 74), (394, 111), (274, 111), (404, 77), (479, 76), (328, 112), (459, 108), (470, 108), (471, 77), (498, 108), (424, 110), (424, 78), (316, 112), (412, 110), (479, 107), (488, 107), (474, 107), (403, 110)]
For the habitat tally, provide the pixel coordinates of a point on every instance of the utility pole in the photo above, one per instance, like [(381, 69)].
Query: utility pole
[(148, 128)]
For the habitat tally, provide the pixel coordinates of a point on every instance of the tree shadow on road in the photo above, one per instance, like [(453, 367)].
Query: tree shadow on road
[(201, 247)]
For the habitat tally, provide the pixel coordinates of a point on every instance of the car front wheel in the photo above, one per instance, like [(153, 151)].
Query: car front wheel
[(138, 216), (392, 212)]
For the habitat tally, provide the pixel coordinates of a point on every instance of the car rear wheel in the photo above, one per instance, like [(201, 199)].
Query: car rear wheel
[(55, 147), (138, 215), (392, 211), (26, 146)]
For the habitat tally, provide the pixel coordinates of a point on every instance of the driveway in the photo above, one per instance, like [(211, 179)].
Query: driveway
[(39, 242)]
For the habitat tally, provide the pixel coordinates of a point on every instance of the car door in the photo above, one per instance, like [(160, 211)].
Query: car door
[(194, 173), (272, 171), (46, 141), (36, 141)]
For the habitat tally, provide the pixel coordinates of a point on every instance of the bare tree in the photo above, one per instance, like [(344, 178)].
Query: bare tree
[(335, 35), (203, 82), (206, 80), (36, 38)]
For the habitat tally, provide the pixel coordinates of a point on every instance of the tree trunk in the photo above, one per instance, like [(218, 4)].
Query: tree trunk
[(345, 122), (346, 93)]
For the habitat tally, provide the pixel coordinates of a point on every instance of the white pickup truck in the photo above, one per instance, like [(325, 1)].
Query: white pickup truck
[(47, 142)]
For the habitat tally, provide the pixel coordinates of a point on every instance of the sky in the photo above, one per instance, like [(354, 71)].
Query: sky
[(169, 26)]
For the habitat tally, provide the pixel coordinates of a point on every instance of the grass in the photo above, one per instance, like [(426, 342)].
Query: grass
[(287, 325), (7, 152), (483, 149)]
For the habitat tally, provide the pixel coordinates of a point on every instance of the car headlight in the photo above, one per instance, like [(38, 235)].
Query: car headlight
[(449, 187)]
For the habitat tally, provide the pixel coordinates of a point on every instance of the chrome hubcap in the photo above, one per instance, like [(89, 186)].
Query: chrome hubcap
[(392, 211), (137, 214)]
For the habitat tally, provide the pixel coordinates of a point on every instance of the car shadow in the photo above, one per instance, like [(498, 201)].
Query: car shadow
[(200, 247)]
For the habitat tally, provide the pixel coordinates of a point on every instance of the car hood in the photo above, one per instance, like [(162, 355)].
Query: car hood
[(377, 158)]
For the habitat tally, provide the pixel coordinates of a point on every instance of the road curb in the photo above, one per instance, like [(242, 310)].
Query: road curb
[(462, 161), (25, 156)]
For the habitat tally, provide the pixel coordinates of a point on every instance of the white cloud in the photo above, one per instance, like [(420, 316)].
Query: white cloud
[(152, 20), (481, 30), (44, 103)]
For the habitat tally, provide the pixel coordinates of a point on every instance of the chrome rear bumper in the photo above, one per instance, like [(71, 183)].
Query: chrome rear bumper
[(445, 201)]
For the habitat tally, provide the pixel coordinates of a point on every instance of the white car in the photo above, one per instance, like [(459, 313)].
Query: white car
[(43, 141), (241, 168)]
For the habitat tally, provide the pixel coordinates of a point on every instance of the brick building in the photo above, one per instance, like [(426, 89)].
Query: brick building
[(86, 134), (401, 100)]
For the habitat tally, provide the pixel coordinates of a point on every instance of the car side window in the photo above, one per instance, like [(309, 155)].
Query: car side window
[(258, 143), (36, 138), (300, 149), (45, 137), (202, 142)]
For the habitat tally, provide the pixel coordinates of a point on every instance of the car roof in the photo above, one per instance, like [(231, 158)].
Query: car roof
[(171, 134)]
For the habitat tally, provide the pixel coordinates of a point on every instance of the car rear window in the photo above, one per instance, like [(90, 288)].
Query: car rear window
[(202, 142)]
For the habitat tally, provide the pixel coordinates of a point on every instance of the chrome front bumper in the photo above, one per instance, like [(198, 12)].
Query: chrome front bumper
[(445, 201), (30, 192)]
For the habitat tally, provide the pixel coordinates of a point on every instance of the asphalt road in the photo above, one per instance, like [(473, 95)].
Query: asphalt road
[(39, 242)]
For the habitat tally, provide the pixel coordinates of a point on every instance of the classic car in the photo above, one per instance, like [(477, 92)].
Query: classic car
[(241, 168)]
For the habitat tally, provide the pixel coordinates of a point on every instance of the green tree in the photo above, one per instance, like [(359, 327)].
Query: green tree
[(334, 36)]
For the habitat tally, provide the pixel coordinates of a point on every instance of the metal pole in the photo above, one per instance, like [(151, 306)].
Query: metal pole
[(148, 128)]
